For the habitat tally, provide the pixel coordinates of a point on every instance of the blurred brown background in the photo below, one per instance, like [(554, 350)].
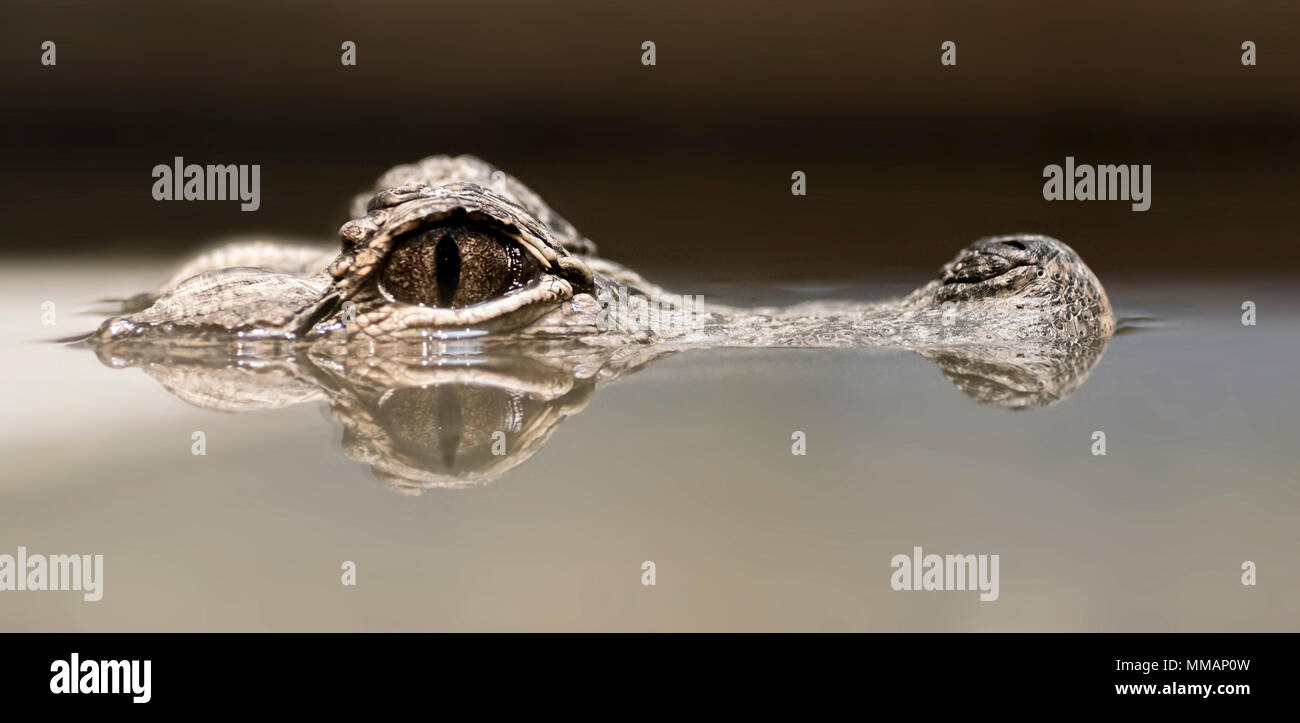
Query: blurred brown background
[(687, 161)]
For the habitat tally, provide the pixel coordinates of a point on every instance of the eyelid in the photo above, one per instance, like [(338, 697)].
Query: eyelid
[(499, 313), (546, 265)]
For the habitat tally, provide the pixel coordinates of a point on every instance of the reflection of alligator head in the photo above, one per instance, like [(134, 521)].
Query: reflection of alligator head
[(455, 415), (453, 427), (461, 421), (461, 306), (1029, 379)]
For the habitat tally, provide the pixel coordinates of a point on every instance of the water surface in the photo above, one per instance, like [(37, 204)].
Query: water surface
[(687, 463)]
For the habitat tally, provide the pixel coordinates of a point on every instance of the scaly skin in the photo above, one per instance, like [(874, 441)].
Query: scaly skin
[(1014, 321), (1008, 289)]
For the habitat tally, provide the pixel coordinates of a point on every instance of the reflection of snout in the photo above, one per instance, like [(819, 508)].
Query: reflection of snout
[(1036, 376)]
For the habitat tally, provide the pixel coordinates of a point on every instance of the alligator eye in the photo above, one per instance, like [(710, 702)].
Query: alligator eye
[(456, 265)]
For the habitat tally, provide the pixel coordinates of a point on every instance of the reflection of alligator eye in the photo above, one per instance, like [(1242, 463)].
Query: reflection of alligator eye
[(450, 427), (456, 265)]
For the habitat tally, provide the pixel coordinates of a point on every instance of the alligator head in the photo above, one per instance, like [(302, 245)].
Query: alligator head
[(461, 305)]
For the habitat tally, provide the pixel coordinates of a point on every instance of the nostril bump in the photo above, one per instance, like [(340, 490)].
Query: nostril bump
[(1015, 245)]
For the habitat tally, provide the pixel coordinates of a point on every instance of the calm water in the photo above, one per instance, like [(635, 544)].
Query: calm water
[(686, 463)]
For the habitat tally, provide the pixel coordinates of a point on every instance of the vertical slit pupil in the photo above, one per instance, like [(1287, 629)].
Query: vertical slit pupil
[(446, 257), (450, 423)]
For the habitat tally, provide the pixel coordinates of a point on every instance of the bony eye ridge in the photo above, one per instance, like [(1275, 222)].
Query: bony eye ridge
[(453, 266)]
